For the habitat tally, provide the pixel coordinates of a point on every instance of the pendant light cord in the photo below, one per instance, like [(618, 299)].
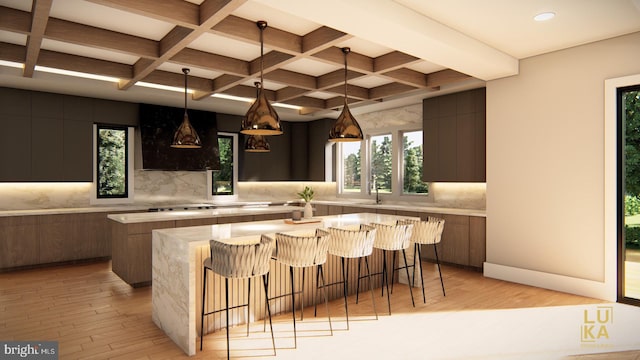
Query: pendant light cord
[(262, 25), (345, 51), (185, 71)]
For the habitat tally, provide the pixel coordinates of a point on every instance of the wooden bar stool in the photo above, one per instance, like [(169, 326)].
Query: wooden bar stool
[(303, 249), (238, 261), (393, 238), (352, 243), (427, 232)]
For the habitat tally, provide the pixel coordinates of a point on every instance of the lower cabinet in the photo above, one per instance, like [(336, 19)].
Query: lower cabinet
[(44, 239)]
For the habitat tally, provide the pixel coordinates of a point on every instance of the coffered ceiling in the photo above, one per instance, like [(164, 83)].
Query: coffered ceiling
[(401, 50)]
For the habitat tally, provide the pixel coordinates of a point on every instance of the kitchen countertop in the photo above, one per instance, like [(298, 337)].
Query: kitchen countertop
[(405, 206), (200, 214)]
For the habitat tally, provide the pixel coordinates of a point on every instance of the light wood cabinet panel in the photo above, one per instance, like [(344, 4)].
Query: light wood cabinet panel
[(350, 210), (454, 247), (271, 216), (386, 211), (335, 210), (139, 270), (19, 244), (321, 210), (53, 233), (234, 219), (477, 241), (196, 222)]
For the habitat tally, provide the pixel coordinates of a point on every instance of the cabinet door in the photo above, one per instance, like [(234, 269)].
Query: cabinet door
[(454, 245), (15, 151), (47, 159), (53, 236), (78, 150), (18, 241), (477, 241)]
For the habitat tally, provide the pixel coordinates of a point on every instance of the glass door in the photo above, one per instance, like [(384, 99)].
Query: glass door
[(629, 193)]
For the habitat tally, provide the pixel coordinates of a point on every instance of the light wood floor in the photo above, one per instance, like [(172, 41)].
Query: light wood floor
[(95, 315)]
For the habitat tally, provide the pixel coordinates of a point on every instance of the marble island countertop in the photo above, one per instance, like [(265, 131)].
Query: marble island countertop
[(200, 214)]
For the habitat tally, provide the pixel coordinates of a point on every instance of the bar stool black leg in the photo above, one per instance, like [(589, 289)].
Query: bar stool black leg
[(344, 289), (404, 255), (384, 271), (424, 298), (293, 307), (435, 248), (265, 281), (226, 295), (326, 298), (248, 304), (204, 292), (393, 272), (386, 279), (302, 297), (373, 301), (358, 286)]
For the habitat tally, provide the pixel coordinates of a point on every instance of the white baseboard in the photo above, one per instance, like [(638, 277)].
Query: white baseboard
[(583, 287)]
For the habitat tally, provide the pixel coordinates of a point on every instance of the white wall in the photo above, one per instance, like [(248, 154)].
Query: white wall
[(545, 168)]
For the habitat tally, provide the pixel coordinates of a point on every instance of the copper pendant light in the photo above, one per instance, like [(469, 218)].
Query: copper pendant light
[(261, 119), (257, 143), (345, 128), (186, 136)]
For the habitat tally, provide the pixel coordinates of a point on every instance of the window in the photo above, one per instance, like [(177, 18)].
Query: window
[(381, 163), (223, 183), (388, 164), (112, 162), (412, 164), (351, 167)]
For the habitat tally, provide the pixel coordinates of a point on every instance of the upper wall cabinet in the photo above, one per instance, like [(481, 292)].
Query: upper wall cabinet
[(454, 134), (49, 137)]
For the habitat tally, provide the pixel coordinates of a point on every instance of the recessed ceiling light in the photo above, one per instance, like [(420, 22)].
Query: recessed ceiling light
[(544, 16)]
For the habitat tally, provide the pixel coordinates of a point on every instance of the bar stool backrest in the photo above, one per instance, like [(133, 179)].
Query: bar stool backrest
[(392, 237), (352, 242), (241, 260), (302, 250), (426, 232)]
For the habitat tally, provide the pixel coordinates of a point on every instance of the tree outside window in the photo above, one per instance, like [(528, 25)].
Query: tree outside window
[(381, 163), (351, 161), (112, 157), (223, 179), (412, 164)]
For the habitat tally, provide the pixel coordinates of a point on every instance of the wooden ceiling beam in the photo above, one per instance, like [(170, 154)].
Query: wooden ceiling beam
[(292, 78), (210, 61), (179, 38), (408, 77), (352, 91), (84, 64), (391, 89), (15, 20), (393, 60), (177, 12), (67, 31), (246, 30), (12, 52), (355, 61), (39, 17), (177, 80), (288, 93), (322, 38), (336, 77), (308, 103)]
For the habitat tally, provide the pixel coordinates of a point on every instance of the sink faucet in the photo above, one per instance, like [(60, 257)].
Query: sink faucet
[(378, 200)]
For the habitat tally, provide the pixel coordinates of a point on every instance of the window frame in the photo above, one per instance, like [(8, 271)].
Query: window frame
[(397, 184), (234, 196), (129, 171)]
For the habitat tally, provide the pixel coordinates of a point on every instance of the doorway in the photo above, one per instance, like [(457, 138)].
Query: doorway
[(628, 114)]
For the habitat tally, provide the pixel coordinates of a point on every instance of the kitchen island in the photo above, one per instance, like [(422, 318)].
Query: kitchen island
[(178, 255), (131, 233)]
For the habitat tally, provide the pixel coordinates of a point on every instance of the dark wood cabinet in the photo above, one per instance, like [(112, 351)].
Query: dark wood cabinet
[(454, 137), (49, 137)]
